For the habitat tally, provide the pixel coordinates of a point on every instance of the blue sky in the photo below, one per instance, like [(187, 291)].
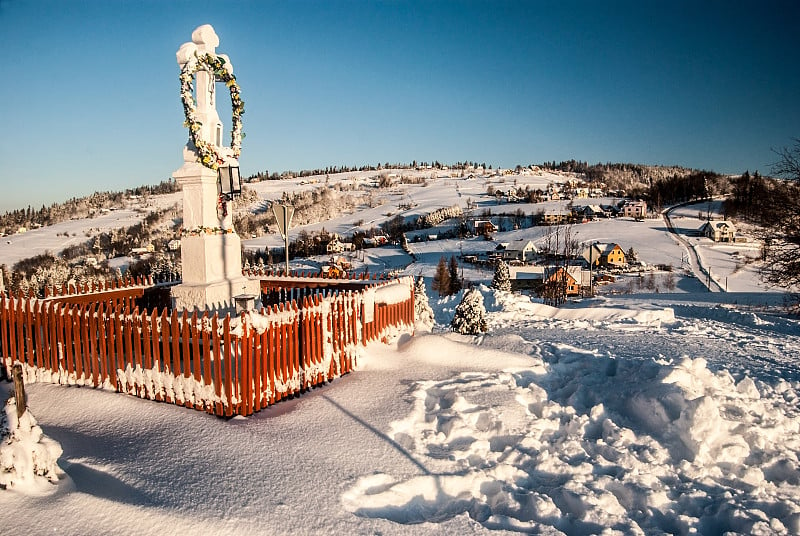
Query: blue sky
[(90, 89)]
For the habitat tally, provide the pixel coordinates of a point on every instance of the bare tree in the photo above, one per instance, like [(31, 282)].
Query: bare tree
[(781, 240), (561, 248)]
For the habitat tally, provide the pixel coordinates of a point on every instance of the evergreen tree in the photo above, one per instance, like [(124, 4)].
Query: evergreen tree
[(455, 281), (502, 277), (470, 316), (422, 309), (441, 279)]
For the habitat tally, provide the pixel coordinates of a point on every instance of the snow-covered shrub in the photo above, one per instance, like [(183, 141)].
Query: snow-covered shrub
[(422, 309), (502, 277), (27, 457), (438, 216), (470, 315)]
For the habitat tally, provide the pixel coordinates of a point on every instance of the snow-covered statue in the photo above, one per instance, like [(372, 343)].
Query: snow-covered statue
[(211, 268), (470, 316)]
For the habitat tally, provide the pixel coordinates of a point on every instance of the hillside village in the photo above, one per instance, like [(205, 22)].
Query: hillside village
[(397, 207)]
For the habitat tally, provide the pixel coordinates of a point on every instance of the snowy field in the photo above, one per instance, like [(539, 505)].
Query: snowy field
[(646, 413)]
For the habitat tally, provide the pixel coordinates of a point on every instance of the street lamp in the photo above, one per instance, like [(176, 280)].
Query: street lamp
[(230, 182)]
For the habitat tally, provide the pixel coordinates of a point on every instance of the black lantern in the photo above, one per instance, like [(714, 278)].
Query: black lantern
[(230, 182)]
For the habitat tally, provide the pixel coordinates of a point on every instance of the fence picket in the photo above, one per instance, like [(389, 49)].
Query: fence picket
[(186, 357), (228, 357), (91, 339), (158, 367), (219, 407), (207, 356), (272, 356)]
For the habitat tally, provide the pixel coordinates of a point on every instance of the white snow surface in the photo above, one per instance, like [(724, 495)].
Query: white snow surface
[(671, 411), (620, 414)]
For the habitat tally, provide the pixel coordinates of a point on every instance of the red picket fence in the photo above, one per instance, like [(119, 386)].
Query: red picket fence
[(226, 366)]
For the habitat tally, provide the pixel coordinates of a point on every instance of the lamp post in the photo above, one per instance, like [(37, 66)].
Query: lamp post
[(230, 182)]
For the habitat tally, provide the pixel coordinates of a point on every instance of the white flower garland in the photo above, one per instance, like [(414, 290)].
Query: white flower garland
[(197, 231), (207, 152)]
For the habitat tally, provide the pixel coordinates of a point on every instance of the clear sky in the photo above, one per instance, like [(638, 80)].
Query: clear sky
[(90, 96)]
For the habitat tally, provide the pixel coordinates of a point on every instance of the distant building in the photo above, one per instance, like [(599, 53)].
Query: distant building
[(518, 250), (634, 209), (605, 255), (484, 226), (556, 217), (337, 246), (719, 231)]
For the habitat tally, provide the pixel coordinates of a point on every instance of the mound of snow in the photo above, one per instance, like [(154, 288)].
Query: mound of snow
[(585, 441), (597, 311), (27, 457)]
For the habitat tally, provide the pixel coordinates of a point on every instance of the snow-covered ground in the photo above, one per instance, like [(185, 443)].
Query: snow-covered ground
[(627, 413), (646, 413)]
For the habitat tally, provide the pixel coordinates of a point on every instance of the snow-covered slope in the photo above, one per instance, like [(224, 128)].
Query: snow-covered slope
[(630, 414)]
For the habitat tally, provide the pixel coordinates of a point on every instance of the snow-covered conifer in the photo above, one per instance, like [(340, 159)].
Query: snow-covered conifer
[(470, 317), (441, 279), (422, 309), (502, 277)]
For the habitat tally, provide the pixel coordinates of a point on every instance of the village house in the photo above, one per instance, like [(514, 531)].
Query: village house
[(719, 231), (581, 193), (605, 255), (526, 277), (518, 250), (556, 217), (634, 209), (138, 252), (337, 246), (376, 241), (484, 227), (610, 211), (596, 192), (588, 212), (174, 244), (534, 278), (571, 277)]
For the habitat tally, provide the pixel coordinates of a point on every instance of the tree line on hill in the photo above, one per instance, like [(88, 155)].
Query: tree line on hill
[(330, 170), (78, 207)]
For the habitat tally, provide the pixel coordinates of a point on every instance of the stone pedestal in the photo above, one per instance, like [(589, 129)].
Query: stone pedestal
[(211, 254)]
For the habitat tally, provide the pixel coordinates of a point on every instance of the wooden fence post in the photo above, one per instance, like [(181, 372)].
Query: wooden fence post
[(19, 391)]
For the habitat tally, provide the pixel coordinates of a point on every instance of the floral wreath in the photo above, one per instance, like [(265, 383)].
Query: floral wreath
[(207, 152)]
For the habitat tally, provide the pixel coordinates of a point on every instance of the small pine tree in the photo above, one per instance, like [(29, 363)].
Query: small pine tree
[(422, 309), (502, 277), (455, 281), (441, 279), (470, 316)]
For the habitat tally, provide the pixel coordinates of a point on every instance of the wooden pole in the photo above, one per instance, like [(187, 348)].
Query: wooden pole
[(19, 390)]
